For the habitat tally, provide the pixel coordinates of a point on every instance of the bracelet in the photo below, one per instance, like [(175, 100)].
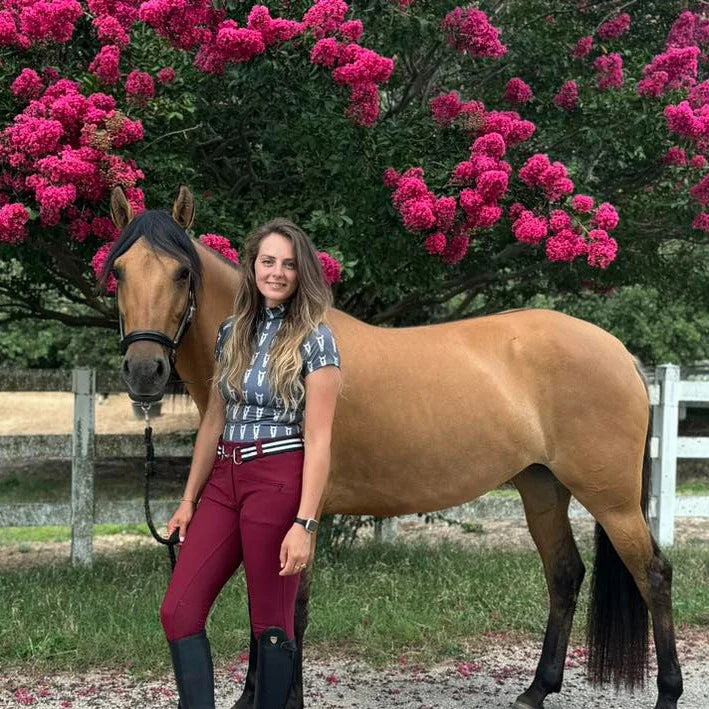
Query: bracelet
[(187, 499)]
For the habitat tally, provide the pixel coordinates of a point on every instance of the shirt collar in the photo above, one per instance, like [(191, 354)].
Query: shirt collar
[(276, 312)]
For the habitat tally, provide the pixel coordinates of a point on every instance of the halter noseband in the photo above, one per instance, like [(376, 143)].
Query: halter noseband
[(160, 337)]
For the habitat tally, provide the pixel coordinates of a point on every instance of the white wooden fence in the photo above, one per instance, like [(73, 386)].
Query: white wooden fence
[(667, 395)]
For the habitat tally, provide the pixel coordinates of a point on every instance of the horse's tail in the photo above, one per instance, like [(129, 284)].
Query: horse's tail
[(618, 617)]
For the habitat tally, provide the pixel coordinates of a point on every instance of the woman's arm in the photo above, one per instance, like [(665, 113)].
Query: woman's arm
[(205, 447), (321, 390)]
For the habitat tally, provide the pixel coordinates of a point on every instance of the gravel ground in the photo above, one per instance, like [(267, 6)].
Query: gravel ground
[(491, 679)]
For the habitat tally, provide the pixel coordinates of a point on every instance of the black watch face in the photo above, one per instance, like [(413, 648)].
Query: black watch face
[(311, 525)]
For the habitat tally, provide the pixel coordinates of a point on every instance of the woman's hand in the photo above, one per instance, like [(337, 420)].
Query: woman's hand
[(181, 519), (295, 550)]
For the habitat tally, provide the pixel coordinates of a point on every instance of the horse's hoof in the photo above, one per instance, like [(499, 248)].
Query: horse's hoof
[(522, 703)]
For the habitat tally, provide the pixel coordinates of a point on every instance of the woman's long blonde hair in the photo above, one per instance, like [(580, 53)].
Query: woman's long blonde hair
[(307, 308)]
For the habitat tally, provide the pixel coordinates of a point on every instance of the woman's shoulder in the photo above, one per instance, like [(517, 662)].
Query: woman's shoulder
[(319, 348)]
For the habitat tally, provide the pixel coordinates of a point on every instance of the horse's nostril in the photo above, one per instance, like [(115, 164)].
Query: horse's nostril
[(160, 368), (126, 367)]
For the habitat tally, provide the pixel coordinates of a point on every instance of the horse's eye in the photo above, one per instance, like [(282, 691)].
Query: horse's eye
[(115, 273), (184, 274)]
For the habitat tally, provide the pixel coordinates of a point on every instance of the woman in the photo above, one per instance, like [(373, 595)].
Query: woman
[(260, 465)]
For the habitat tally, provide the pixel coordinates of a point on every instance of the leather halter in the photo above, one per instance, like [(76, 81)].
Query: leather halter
[(160, 337)]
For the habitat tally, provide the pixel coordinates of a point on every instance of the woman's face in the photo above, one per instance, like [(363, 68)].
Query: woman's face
[(276, 270)]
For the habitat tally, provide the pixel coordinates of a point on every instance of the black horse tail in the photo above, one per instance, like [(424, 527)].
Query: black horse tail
[(617, 628)]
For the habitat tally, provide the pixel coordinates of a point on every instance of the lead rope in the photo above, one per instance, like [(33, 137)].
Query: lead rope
[(149, 473)]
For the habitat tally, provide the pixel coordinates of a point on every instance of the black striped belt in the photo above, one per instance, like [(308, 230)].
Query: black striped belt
[(240, 453)]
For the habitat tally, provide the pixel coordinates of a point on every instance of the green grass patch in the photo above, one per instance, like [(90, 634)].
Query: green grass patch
[(15, 535), (693, 487), (378, 601)]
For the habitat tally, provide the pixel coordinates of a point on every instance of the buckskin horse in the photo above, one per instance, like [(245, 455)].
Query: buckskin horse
[(434, 416)]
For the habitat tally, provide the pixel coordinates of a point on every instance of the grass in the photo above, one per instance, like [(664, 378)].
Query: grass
[(378, 601), (14, 535)]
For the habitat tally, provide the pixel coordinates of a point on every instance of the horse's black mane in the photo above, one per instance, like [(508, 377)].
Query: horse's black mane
[(162, 233)]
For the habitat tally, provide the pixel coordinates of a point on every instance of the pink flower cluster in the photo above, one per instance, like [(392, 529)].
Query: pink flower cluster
[(140, 87), (13, 218), (58, 151), (551, 177), (221, 245), (676, 68), (568, 96), (583, 47), (609, 68), (612, 29), (518, 91), (472, 116), (331, 268), (469, 31), (166, 75), (688, 30), (25, 23), (360, 69), (27, 85)]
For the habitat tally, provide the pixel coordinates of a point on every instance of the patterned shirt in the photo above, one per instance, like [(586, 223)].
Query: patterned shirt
[(258, 414)]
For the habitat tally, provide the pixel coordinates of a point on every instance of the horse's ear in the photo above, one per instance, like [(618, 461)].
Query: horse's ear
[(121, 211), (183, 209)]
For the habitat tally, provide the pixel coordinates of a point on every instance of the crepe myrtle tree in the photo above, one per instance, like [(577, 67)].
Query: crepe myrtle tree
[(447, 159)]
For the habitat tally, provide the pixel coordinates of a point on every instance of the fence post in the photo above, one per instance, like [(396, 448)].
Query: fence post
[(82, 467), (385, 529), (663, 482)]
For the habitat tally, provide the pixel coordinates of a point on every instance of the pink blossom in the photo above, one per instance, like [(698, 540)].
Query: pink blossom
[(568, 96), (598, 235), (675, 156), (605, 217), (700, 191), (325, 52), (456, 250), (110, 31), (98, 263), (471, 201), (491, 144), (517, 91), (185, 24), (609, 68), (222, 245), (445, 210), (8, 29), (559, 219), (446, 107), (325, 17), (612, 29), (42, 21), (553, 178), (583, 47), (27, 85), (682, 119), (602, 253), (676, 68), (582, 203), (106, 64), (13, 218), (391, 178), (492, 185), (273, 30), (516, 210), (140, 86), (166, 75), (566, 245), (104, 228), (529, 228), (331, 268), (238, 44), (352, 30), (701, 222), (418, 214), (411, 185), (364, 104), (699, 95), (436, 243), (362, 65), (698, 162), (487, 216), (469, 31)]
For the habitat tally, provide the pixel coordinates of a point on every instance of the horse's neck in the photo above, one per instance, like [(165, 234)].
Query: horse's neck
[(215, 300)]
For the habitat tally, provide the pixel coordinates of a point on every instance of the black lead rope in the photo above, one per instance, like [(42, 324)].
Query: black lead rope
[(174, 538)]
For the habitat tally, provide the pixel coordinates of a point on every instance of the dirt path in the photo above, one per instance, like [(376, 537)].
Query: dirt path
[(489, 679)]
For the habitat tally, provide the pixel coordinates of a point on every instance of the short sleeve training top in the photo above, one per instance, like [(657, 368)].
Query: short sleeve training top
[(259, 414)]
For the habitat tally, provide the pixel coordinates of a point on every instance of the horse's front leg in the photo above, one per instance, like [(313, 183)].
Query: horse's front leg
[(295, 698)]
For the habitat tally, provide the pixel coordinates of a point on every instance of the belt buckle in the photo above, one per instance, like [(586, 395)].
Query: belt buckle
[(236, 456), (220, 452)]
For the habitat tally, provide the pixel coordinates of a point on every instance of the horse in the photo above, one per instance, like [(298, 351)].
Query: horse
[(436, 415)]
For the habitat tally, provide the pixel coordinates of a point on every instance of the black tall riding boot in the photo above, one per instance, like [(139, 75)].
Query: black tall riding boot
[(274, 675), (192, 662)]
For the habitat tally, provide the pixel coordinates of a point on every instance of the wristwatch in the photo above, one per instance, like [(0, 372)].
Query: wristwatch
[(311, 525)]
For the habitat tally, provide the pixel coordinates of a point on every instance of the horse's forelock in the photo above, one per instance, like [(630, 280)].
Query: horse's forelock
[(162, 233)]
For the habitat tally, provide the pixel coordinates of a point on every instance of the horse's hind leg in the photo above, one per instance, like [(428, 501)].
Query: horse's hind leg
[(624, 537), (546, 505)]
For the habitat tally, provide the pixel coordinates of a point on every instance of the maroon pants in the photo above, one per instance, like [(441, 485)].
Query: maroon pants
[(243, 515)]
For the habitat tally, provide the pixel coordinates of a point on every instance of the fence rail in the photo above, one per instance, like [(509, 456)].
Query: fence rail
[(668, 395)]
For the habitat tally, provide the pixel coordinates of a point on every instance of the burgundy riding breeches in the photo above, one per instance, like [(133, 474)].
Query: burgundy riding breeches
[(244, 513)]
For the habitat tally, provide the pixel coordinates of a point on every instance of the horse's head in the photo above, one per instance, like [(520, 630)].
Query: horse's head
[(158, 272)]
